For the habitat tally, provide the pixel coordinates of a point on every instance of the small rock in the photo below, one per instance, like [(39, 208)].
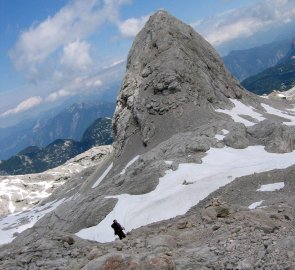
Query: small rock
[(94, 253), (237, 229), (215, 227), (168, 253), (159, 262), (222, 212), (261, 253), (119, 262), (182, 225), (245, 264), (119, 245), (162, 241), (68, 239), (291, 255)]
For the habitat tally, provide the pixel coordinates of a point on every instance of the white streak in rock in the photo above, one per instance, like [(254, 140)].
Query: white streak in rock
[(129, 164), (102, 176)]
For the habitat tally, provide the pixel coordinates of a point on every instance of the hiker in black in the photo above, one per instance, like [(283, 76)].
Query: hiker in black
[(118, 229)]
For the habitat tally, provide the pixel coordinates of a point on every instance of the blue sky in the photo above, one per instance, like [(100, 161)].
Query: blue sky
[(51, 50)]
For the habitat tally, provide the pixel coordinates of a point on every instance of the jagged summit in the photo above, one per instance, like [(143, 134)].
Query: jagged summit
[(173, 76)]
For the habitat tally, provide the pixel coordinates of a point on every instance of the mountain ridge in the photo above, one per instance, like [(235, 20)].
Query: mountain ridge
[(34, 159), (69, 123), (280, 77), (245, 63)]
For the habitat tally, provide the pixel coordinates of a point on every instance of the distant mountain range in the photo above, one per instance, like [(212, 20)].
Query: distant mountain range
[(245, 63), (280, 77), (35, 159), (69, 123)]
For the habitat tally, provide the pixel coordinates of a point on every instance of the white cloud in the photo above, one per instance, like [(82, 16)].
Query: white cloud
[(115, 63), (130, 27), (24, 105), (76, 86), (245, 22), (75, 21), (76, 55), (57, 95)]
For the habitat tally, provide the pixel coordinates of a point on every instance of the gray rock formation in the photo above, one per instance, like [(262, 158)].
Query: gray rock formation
[(173, 81)]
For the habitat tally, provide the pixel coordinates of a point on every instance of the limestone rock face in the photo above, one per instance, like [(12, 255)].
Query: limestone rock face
[(173, 78)]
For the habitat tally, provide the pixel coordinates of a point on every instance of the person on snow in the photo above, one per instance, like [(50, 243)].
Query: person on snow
[(118, 229)]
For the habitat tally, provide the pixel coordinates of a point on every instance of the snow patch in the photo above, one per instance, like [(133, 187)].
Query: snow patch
[(272, 187), (284, 114), (14, 189), (20, 192), (255, 205), (220, 137), (17, 223), (103, 176), (242, 109), (171, 198), (129, 164)]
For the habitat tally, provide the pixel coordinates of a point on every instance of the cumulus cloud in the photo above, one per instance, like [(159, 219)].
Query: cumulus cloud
[(76, 55), (130, 27), (75, 21), (24, 106), (245, 22), (57, 95)]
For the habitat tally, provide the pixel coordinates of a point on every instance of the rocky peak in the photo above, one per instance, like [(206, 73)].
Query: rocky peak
[(173, 75)]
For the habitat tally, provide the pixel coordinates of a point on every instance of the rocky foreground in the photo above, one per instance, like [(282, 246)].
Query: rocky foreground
[(220, 233)]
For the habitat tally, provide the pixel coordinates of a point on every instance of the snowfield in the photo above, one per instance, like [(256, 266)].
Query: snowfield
[(17, 223), (172, 198), (288, 115), (30, 188), (22, 192), (242, 109)]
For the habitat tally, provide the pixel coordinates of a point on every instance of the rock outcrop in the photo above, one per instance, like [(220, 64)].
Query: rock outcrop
[(173, 81)]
